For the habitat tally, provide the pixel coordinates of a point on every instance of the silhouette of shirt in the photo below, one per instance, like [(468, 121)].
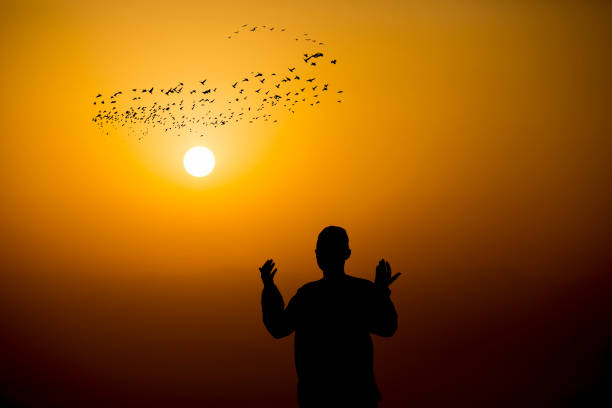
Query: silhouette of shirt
[(332, 319)]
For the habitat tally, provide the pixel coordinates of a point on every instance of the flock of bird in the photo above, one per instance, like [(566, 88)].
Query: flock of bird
[(182, 109)]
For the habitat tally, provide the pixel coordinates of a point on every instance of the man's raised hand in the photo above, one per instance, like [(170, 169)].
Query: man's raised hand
[(383, 274), (268, 271)]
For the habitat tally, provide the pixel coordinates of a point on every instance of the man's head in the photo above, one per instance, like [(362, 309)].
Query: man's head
[(332, 248)]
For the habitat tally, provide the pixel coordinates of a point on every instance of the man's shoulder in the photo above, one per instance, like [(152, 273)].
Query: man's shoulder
[(360, 285), (310, 286), (348, 280), (360, 281)]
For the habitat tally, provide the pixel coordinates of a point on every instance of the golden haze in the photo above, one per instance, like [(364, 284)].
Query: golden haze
[(471, 150)]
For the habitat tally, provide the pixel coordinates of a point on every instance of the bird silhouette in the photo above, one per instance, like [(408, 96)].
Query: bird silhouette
[(315, 55)]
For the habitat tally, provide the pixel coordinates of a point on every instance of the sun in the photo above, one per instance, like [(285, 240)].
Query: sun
[(199, 161)]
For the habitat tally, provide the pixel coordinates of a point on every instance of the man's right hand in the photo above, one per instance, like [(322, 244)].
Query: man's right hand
[(268, 271)]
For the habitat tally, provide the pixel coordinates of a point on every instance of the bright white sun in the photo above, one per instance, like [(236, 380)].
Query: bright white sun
[(199, 161)]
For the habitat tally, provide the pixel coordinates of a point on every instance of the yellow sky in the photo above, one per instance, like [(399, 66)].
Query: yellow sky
[(442, 102), (472, 144)]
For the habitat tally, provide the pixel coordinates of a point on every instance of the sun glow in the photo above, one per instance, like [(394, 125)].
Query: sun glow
[(199, 161)]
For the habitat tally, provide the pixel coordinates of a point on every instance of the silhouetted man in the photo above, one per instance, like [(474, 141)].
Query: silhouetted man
[(332, 319)]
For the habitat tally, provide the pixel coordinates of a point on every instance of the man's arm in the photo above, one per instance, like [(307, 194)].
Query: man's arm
[(383, 317), (277, 319)]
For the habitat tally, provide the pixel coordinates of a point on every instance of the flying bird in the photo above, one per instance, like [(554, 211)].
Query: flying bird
[(315, 55)]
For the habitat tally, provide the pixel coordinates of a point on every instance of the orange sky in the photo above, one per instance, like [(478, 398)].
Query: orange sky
[(471, 150)]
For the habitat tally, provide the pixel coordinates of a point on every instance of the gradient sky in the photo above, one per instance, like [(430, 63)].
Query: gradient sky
[(472, 151)]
